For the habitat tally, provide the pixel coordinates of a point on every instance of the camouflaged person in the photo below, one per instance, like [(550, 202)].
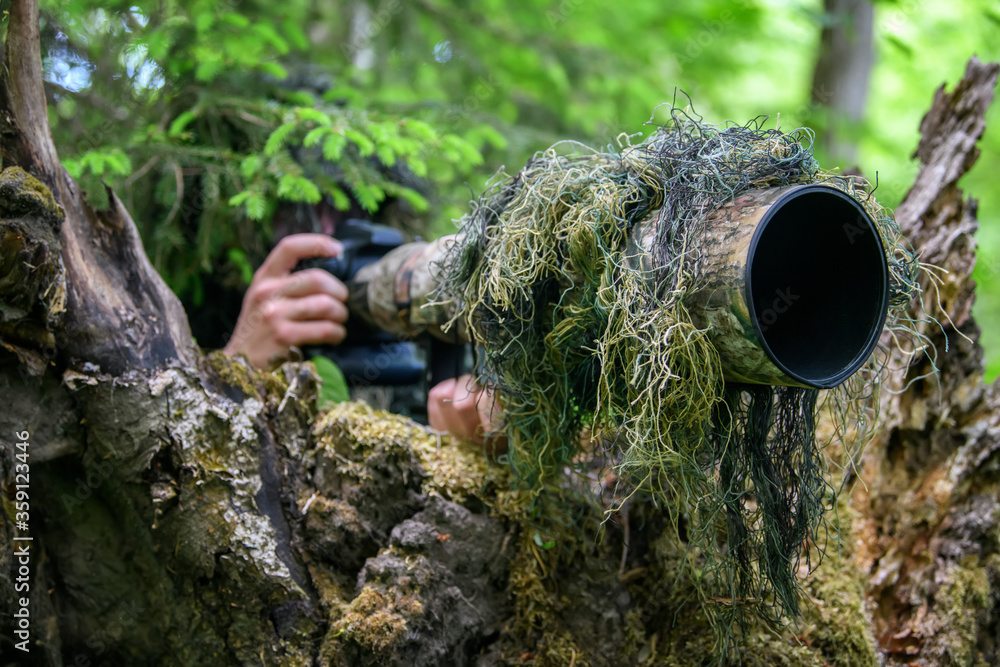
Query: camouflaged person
[(285, 308)]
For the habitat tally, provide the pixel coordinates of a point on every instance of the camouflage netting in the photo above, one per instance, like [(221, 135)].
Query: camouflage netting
[(594, 358)]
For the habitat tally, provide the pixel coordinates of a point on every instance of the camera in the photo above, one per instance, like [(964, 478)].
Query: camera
[(387, 371)]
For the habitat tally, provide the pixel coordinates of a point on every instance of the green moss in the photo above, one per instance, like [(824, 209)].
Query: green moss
[(965, 591), (557, 569), (351, 433), (454, 469), (533, 603), (378, 620), (677, 631), (32, 277), (234, 372), (559, 648), (666, 624), (21, 194), (563, 579), (834, 621), (766, 649), (332, 594), (277, 382)]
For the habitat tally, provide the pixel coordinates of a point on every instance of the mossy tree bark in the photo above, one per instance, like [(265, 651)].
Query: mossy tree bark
[(928, 536), (188, 510)]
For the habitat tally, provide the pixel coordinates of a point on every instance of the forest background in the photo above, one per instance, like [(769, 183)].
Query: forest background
[(204, 114)]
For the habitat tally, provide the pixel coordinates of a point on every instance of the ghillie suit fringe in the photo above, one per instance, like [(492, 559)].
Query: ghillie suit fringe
[(577, 337)]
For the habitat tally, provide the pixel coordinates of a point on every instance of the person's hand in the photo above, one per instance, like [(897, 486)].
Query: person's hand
[(464, 409), (282, 309)]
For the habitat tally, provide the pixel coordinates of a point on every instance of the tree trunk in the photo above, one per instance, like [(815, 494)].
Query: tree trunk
[(841, 76), (188, 510), (927, 535)]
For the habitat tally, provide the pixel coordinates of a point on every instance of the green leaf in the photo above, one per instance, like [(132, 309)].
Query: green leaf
[(302, 98), (380, 132), (901, 44), (538, 541), (314, 115), (333, 387), (417, 166), (297, 188), (368, 195), (158, 44), (234, 19), (493, 137), (333, 147), (364, 144), (119, 163), (463, 148), (275, 70), (267, 32), (256, 206), (420, 129), (94, 162), (203, 22), (344, 94), (254, 201), (314, 136), (181, 122), (208, 69), (73, 167), (250, 166), (417, 200), (278, 138), (240, 260), (294, 34), (340, 199), (386, 155), (239, 198)]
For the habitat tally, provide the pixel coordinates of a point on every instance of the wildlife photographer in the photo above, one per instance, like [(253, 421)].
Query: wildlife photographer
[(283, 308)]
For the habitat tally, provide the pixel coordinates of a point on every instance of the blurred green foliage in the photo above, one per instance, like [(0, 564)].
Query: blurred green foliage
[(204, 114), (333, 386)]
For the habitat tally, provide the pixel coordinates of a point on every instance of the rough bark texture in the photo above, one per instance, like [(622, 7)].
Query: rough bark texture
[(119, 312), (188, 510), (928, 537)]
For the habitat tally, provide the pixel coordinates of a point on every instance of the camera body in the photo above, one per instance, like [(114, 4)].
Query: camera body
[(374, 362)]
